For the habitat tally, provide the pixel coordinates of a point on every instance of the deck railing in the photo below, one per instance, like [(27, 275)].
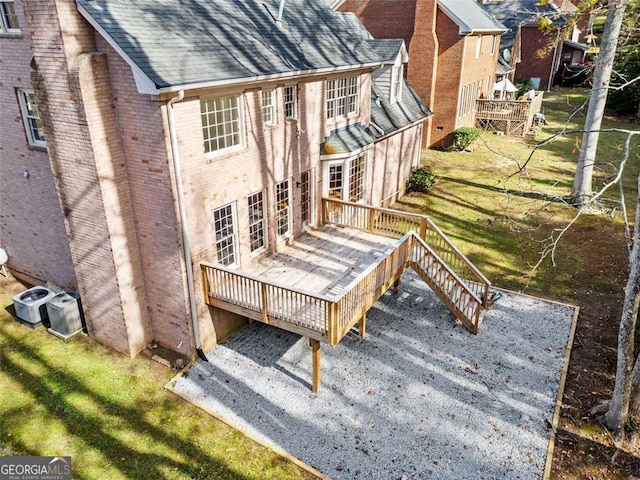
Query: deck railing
[(393, 223), (322, 317), (513, 117)]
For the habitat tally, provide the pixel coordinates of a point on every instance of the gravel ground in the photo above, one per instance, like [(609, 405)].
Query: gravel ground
[(419, 397)]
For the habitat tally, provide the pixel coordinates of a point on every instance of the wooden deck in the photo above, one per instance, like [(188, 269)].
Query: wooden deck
[(324, 260), (512, 117), (323, 283)]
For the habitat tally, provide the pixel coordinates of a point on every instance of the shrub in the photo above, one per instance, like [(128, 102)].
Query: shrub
[(464, 136), (421, 179), (523, 85)]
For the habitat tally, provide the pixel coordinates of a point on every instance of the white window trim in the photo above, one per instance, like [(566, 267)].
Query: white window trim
[(4, 24), (295, 101), (312, 200), (22, 98), (288, 209), (331, 104), (234, 218), (346, 176), (271, 106), (241, 129), (494, 42), (265, 233), (478, 46), (395, 90)]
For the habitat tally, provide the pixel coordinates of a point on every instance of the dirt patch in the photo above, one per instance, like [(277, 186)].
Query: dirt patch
[(584, 449)]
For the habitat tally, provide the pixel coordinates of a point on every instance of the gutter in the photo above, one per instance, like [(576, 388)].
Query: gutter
[(183, 225)]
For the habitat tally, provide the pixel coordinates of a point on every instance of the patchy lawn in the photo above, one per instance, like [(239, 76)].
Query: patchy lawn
[(496, 203), (111, 414)]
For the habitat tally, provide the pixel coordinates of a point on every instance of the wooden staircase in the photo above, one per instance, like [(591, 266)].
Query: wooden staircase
[(451, 289), (448, 272)]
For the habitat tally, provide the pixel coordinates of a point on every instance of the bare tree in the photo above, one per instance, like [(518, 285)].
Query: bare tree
[(582, 188)]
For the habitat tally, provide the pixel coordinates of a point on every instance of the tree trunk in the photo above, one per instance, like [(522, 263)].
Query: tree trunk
[(618, 413), (597, 100)]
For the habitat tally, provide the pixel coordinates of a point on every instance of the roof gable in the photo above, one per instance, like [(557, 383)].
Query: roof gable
[(178, 43)]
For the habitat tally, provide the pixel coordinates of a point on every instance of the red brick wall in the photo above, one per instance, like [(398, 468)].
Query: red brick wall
[(532, 64), (73, 90), (32, 227)]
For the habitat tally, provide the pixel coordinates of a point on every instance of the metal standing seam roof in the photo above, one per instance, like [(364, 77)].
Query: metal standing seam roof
[(470, 17), (183, 42)]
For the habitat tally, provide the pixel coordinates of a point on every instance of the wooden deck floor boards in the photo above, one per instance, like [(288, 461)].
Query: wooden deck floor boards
[(323, 260)]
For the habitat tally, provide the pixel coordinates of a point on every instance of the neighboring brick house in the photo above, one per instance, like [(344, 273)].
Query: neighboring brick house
[(526, 50), (453, 46), (181, 132)]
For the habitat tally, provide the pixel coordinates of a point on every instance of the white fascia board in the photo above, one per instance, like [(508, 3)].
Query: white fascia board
[(143, 82)]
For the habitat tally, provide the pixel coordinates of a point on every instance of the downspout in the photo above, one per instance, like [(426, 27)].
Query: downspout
[(183, 225)]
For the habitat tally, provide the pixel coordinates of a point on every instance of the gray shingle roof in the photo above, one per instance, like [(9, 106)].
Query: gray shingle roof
[(183, 42), (391, 117), (386, 117), (470, 16), (520, 12)]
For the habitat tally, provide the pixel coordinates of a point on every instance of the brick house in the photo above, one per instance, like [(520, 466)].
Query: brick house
[(146, 137), (453, 47), (523, 44)]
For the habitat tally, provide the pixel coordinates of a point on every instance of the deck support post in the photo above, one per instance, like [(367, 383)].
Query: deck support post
[(362, 325), (396, 286), (315, 362)]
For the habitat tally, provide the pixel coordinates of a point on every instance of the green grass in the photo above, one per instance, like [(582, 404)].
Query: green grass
[(503, 220), (111, 414)]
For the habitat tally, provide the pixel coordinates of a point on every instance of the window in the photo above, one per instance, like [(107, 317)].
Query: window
[(256, 222), (31, 117), (290, 102), (305, 198), (8, 17), (478, 46), (494, 43), (396, 83), (342, 97), (468, 96), (350, 187), (356, 179), (283, 210), (221, 123), (226, 241), (335, 181), (268, 107)]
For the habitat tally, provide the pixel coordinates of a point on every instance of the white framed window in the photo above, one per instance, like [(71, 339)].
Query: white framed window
[(396, 83), (356, 179), (305, 198), (494, 43), (346, 179), (478, 46), (269, 107), (31, 118), (8, 17), (283, 208), (257, 226), (221, 123), (226, 235), (290, 102), (342, 97), (335, 181)]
